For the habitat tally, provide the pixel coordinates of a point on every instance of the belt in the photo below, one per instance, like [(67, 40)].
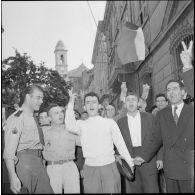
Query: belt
[(59, 162), (36, 152)]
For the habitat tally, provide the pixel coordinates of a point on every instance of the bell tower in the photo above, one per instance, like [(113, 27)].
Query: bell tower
[(61, 59)]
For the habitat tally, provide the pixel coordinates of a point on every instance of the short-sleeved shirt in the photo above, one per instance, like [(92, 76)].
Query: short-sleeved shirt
[(59, 144), (21, 133)]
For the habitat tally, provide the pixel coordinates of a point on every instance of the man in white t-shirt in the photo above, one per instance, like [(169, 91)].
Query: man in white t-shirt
[(98, 136)]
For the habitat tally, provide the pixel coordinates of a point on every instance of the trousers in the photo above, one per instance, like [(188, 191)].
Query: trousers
[(32, 174), (64, 176), (102, 179), (179, 186), (143, 183)]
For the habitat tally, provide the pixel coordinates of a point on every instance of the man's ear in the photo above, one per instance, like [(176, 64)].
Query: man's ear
[(27, 97), (84, 108), (183, 92), (49, 118)]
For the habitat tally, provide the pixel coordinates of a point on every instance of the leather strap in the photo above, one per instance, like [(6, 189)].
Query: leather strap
[(41, 136)]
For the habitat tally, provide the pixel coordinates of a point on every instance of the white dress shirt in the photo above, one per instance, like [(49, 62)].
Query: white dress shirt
[(134, 124), (179, 108)]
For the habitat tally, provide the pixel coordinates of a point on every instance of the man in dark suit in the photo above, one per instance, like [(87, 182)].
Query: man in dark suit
[(135, 128), (174, 128)]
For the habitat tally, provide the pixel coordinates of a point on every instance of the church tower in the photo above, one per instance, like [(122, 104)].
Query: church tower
[(61, 59)]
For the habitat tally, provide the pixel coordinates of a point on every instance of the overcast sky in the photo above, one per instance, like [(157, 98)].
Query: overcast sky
[(36, 27)]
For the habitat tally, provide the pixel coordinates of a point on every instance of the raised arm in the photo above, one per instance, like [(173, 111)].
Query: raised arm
[(71, 123), (188, 72), (186, 56)]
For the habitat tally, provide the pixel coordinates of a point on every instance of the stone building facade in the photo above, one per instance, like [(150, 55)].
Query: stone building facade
[(99, 60), (165, 24)]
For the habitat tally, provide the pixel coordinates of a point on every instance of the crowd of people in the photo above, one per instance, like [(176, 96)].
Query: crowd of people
[(64, 151)]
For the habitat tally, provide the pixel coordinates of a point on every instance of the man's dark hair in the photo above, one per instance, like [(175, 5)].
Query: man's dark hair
[(104, 97), (181, 85), (42, 110), (161, 95), (52, 105), (28, 90), (92, 94), (153, 107), (76, 111)]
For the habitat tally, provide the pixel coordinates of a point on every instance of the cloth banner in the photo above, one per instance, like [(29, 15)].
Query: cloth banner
[(131, 44)]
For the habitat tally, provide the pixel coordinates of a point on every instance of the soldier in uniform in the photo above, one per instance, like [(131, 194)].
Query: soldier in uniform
[(23, 146)]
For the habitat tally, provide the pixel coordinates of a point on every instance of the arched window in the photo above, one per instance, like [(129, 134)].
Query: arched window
[(176, 48), (61, 59)]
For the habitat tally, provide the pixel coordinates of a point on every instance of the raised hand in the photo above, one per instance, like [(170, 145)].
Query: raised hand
[(186, 55), (72, 96), (145, 93), (138, 160), (123, 87), (123, 91)]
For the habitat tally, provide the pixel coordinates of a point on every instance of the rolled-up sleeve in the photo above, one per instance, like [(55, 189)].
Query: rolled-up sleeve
[(12, 137)]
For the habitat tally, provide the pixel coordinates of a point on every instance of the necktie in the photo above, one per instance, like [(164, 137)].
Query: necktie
[(41, 137), (175, 116)]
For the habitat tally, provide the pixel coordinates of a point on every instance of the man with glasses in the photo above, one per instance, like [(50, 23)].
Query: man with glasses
[(161, 101)]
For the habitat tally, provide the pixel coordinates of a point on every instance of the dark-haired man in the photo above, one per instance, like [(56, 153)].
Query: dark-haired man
[(23, 146), (161, 101), (98, 136), (174, 128), (136, 128)]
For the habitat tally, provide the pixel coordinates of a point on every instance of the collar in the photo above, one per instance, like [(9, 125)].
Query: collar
[(179, 106), (131, 117)]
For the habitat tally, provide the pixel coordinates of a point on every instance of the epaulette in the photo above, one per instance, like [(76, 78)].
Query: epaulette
[(18, 113)]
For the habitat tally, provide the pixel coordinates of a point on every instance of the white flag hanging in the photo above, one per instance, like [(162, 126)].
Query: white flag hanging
[(131, 44)]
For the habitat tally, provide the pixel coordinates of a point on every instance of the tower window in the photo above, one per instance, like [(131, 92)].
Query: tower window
[(61, 59)]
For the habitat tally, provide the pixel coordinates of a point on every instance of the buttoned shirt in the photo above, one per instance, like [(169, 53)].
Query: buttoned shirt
[(59, 144), (98, 136), (21, 133), (134, 124), (179, 109)]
